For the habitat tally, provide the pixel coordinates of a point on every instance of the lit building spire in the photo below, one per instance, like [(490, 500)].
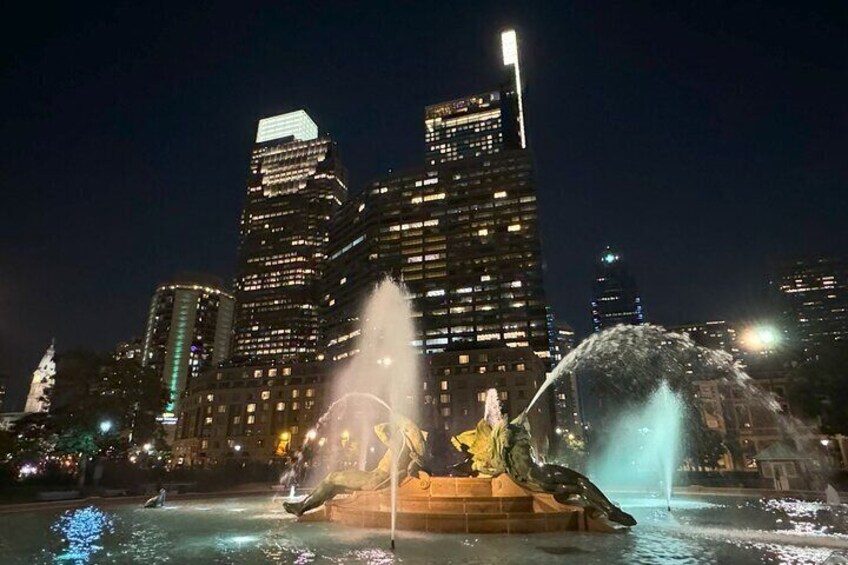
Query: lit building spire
[(509, 46)]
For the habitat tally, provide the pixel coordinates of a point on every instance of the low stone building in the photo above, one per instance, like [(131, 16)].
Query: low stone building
[(255, 413), (458, 381)]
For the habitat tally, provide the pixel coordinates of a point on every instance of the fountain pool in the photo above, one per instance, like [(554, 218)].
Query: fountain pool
[(255, 529)]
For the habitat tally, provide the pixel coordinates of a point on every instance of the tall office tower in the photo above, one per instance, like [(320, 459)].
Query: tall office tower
[(715, 334), (464, 239), (462, 235), (42, 382), (814, 301), (615, 295), (296, 184), (482, 124), (189, 327), (564, 339)]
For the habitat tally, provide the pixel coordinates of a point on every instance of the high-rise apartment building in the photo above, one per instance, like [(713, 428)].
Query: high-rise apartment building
[(296, 184), (482, 124), (464, 239), (189, 328), (615, 296), (714, 334), (814, 301), (43, 379), (461, 233)]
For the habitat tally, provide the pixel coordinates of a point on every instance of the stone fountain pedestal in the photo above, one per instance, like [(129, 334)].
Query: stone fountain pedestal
[(460, 505)]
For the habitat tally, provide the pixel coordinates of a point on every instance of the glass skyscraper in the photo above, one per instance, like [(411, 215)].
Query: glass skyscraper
[(615, 297), (482, 124), (814, 301), (296, 185), (460, 232)]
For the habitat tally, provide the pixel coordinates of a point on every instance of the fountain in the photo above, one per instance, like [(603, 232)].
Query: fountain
[(647, 449), (513, 492)]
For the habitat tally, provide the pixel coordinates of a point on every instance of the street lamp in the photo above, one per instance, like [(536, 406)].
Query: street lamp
[(105, 426), (761, 338), (237, 447)]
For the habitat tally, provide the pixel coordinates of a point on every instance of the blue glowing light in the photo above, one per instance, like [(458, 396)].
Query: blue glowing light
[(82, 530)]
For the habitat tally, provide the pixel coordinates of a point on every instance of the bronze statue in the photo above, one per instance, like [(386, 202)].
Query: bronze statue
[(505, 447), (410, 459)]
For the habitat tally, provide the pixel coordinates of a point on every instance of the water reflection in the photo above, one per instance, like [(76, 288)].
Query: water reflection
[(81, 531)]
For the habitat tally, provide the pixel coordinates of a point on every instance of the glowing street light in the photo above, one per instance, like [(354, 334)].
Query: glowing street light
[(311, 435), (237, 447), (148, 447), (761, 338), (105, 426)]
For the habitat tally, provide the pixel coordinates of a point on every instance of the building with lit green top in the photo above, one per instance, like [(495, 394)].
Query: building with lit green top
[(189, 328)]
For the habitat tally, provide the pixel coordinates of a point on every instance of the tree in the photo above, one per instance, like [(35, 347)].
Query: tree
[(819, 388), (92, 388)]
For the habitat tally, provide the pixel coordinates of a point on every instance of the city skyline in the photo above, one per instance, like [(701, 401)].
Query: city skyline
[(124, 272)]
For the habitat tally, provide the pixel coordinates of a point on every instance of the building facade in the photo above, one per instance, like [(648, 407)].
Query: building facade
[(461, 233), (463, 237), (458, 381), (43, 379), (296, 185), (615, 296), (813, 297), (481, 124), (189, 328), (258, 413)]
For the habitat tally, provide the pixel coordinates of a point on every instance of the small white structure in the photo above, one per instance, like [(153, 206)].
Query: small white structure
[(42, 381)]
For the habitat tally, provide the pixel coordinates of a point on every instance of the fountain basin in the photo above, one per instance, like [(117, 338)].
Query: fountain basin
[(460, 505)]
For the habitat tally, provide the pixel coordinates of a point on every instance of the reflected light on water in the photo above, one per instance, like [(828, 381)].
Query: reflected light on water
[(82, 530)]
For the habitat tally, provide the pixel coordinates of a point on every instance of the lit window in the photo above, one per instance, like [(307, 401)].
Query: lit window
[(464, 359), (444, 398), (443, 385), (266, 394), (514, 227), (210, 397), (500, 194), (251, 407), (295, 393), (295, 406), (257, 374), (281, 406), (251, 419), (481, 397)]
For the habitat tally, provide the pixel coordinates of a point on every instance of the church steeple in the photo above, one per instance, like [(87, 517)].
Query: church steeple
[(42, 381)]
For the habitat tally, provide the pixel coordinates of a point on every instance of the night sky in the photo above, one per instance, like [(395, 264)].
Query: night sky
[(706, 140)]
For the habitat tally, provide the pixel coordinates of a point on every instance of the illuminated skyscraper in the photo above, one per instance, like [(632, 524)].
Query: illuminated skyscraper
[(615, 294), (189, 328), (296, 185), (461, 233), (482, 124), (814, 301)]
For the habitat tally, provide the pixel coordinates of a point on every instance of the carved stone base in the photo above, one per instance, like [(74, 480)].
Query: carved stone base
[(460, 505)]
